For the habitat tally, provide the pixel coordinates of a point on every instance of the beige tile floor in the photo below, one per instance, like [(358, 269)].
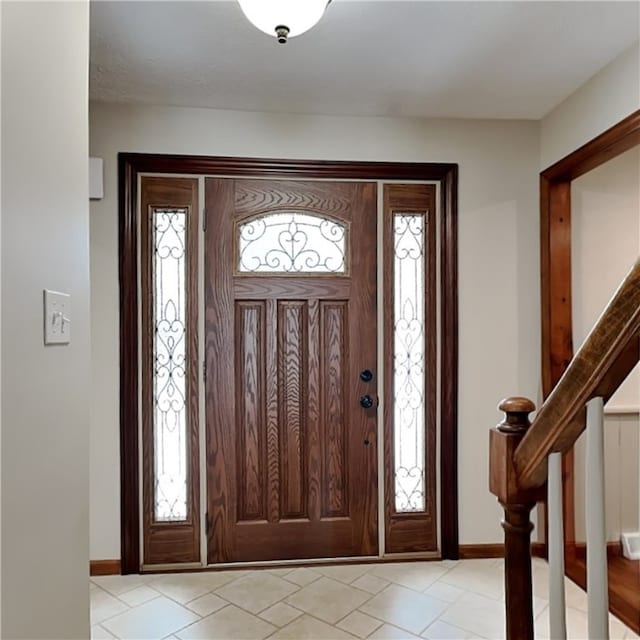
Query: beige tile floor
[(399, 601)]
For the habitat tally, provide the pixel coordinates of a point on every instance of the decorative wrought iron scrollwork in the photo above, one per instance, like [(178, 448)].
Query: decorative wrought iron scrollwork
[(169, 363), (291, 243), (409, 361)]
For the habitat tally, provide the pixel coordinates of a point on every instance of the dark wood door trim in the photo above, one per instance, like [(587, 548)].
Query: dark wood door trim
[(555, 240), (449, 540), (555, 268), (128, 280), (130, 165)]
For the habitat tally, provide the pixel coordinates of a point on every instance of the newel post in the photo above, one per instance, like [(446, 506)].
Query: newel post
[(517, 504)]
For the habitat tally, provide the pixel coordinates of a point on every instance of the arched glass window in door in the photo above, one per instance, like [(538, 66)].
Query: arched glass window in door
[(292, 243)]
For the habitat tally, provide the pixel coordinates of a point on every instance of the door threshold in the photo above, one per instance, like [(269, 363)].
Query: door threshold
[(412, 555), (286, 564)]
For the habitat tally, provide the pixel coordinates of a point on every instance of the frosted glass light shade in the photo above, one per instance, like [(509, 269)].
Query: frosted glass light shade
[(297, 15)]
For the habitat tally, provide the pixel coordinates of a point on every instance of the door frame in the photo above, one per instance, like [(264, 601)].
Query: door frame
[(556, 287), (130, 165)]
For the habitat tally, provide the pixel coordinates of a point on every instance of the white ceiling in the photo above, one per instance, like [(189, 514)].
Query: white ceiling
[(396, 58)]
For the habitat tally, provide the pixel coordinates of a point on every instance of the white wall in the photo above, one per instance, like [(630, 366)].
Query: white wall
[(608, 97), (605, 244), (45, 408), (499, 275), (621, 446)]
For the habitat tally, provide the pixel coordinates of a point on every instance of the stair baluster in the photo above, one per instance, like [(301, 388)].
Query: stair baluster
[(597, 583), (557, 614)]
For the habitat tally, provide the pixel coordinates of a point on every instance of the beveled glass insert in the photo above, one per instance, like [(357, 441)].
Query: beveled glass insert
[(409, 361), (169, 363), (291, 243)]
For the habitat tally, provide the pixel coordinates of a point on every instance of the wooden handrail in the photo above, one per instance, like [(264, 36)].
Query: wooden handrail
[(601, 364)]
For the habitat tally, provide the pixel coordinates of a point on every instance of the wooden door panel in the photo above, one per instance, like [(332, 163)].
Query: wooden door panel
[(333, 198), (288, 540), (250, 415), (292, 376), (333, 398), (310, 288), (219, 357), (291, 453), (314, 438)]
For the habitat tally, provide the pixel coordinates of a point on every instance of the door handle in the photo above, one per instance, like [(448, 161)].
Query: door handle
[(366, 375), (366, 402)]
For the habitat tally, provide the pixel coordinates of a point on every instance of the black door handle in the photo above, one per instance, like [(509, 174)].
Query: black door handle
[(366, 375), (366, 402)]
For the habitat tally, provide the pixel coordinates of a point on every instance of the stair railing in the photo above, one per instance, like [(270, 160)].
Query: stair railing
[(523, 456)]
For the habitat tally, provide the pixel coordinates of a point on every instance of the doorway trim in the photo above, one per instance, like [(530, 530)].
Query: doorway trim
[(556, 291), (130, 165)]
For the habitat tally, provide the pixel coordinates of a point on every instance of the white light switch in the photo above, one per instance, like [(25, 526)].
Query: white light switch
[(57, 317)]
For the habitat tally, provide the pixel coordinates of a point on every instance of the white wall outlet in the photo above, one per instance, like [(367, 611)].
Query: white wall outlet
[(57, 317)]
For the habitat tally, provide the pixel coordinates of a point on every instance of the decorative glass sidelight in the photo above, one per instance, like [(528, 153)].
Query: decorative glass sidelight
[(291, 243), (409, 361), (169, 363)]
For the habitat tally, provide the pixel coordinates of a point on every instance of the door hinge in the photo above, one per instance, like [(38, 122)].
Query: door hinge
[(204, 219), (204, 370)]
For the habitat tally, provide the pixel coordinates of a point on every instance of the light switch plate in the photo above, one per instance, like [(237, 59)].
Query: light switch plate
[(57, 317)]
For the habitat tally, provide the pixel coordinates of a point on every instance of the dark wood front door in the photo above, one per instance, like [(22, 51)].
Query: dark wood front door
[(290, 303)]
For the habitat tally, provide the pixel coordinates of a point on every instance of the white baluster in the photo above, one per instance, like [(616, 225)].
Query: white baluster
[(557, 616), (597, 582)]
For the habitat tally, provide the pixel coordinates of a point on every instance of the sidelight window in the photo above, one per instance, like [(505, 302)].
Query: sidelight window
[(409, 361), (169, 359)]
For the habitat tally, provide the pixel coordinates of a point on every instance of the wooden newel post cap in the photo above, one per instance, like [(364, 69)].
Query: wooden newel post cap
[(517, 412)]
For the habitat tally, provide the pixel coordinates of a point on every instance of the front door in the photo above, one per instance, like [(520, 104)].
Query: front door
[(291, 387)]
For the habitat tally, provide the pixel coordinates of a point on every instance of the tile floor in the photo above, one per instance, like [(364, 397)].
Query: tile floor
[(443, 600)]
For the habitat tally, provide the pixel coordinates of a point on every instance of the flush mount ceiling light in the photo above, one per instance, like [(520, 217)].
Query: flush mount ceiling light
[(284, 18)]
